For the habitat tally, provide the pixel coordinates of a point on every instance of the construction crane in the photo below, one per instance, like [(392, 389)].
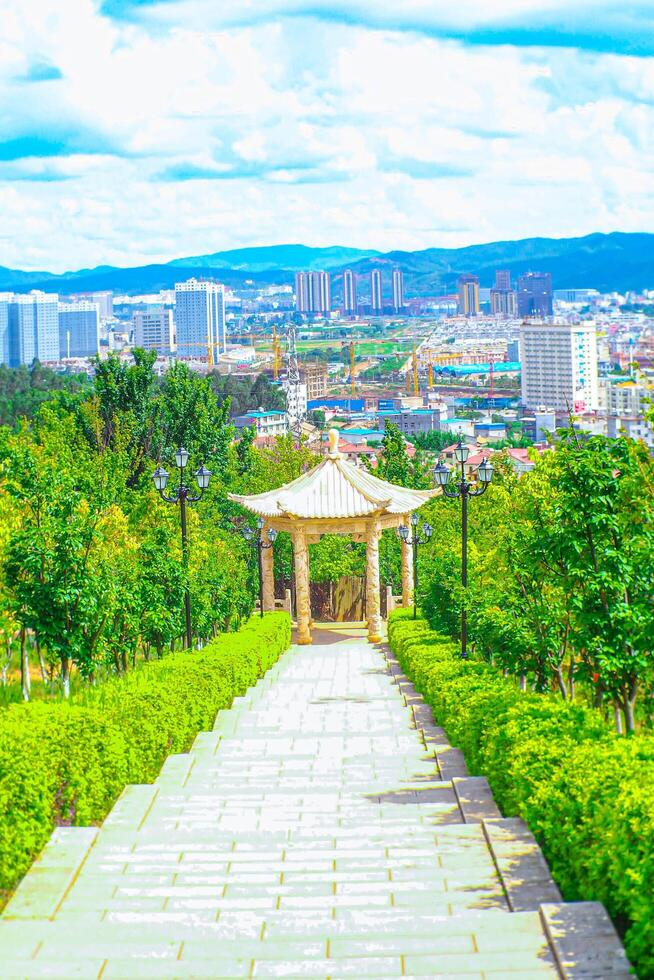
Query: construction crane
[(207, 345), (430, 375), (277, 353), (293, 407)]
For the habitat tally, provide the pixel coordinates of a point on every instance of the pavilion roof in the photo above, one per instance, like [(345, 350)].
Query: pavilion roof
[(335, 488)]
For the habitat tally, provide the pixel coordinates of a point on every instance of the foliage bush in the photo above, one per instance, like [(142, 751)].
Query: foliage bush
[(586, 793), (66, 763)]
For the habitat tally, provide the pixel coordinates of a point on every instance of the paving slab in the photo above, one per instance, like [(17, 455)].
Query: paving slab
[(323, 828)]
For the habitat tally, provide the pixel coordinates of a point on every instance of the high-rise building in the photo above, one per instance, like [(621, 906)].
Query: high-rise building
[(5, 300), (504, 303), (398, 290), (31, 328), (376, 303), (322, 292), (502, 279), (104, 299), (559, 366), (200, 318), (303, 292), (313, 292), (154, 330), (468, 289), (79, 329), (535, 294), (349, 292)]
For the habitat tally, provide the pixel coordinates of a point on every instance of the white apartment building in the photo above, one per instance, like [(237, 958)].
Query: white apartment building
[(627, 398), (200, 318), (266, 424), (79, 329), (154, 330), (559, 366)]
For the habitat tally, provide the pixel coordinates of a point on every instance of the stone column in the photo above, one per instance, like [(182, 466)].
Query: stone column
[(267, 567), (302, 595), (373, 614), (407, 567)]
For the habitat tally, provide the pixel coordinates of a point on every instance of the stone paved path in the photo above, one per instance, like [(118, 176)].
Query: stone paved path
[(310, 834)]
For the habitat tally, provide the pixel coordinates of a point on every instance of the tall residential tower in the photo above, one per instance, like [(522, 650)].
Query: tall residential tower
[(200, 318), (349, 293), (398, 290), (559, 366), (376, 291)]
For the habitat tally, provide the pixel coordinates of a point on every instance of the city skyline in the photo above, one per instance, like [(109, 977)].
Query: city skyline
[(138, 132)]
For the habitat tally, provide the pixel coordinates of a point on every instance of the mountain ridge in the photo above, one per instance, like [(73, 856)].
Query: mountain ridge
[(617, 261)]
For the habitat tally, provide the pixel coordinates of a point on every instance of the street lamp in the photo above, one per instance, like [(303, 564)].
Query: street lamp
[(464, 489), (415, 537), (181, 496), (255, 539)]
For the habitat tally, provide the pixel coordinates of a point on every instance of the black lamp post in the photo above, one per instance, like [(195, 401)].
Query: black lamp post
[(462, 488), (181, 496), (255, 538), (418, 537)]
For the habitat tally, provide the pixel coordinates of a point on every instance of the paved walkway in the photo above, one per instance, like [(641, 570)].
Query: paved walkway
[(315, 832)]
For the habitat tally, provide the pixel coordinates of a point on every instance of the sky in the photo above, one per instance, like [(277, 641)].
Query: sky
[(137, 131)]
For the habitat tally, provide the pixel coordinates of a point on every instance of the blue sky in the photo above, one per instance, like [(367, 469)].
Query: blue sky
[(138, 131)]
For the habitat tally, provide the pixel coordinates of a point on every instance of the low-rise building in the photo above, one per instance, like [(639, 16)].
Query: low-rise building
[(492, 431), (634, 427), (273, 423), (412, 421)]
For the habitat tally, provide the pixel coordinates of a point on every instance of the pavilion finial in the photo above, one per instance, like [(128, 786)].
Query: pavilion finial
[(334, 452)]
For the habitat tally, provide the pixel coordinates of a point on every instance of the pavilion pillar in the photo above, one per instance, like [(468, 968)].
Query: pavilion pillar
[(373, 603), (267, 567), (302, 594), (407, 567)]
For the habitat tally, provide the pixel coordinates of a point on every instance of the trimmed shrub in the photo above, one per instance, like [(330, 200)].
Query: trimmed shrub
[(65, 764), (586, 793)]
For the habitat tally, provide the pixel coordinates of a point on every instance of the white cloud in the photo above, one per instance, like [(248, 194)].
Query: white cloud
[(177, 141)]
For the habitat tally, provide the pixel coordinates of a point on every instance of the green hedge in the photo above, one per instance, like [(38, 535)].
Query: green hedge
[(67, 763), (586, 793)]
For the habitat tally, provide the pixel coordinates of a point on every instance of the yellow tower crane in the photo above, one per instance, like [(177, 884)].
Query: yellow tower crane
[(207, 345), (277, 352), (430, 375)]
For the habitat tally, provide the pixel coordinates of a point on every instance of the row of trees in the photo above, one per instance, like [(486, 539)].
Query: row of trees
[(91, 571), (561, 566)]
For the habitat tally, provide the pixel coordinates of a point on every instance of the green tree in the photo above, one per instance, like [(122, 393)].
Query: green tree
[(395, 464)]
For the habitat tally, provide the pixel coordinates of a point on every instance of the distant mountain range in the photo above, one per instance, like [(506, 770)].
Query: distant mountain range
[(616, 261)]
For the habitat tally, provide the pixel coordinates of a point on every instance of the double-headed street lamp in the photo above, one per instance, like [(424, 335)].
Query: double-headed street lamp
[(464, 489), (418, 537), (181, 496), (255, 539)]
